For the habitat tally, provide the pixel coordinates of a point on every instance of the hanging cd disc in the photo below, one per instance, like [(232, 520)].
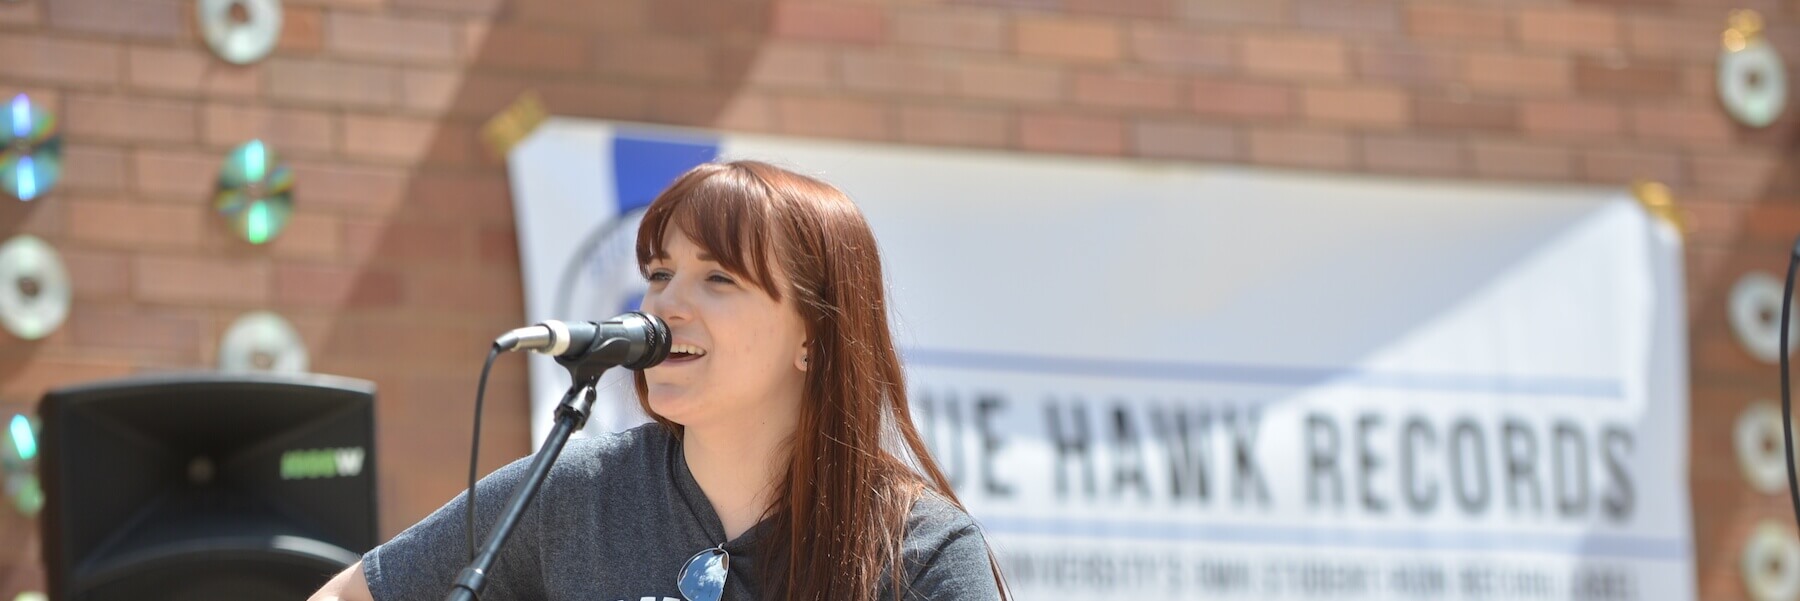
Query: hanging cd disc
[(1753, 83), (261, 341), (1771, 563), (34, 288), (18, 442), (30, 149), (1760, 446), (255, 193), (1755, 307), (240, 31), (18, 462)]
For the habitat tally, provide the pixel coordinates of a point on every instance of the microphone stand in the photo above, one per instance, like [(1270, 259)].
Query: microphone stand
[(571, 414)]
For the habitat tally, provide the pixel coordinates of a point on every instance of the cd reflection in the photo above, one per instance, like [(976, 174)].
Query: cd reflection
[(30, 150), (255, 192)]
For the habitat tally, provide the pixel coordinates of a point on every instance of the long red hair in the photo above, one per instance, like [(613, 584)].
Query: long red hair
[(856, 464)]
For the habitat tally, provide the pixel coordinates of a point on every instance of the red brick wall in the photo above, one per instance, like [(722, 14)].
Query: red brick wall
[(401, 258)]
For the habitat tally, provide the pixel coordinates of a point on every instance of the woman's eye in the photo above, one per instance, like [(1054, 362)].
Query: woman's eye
[(721, 278), (658, 276)]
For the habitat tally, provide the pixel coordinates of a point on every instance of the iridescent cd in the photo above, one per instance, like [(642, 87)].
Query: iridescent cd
[(255, 192), (30, 150), (241, 38), (34, 288), (261, 341), (18, 458), (20, 441)]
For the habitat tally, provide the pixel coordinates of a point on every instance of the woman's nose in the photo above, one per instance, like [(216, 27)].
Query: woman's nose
[(669, 303)]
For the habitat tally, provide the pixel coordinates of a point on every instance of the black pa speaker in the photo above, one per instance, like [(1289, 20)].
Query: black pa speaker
[(206, 486)]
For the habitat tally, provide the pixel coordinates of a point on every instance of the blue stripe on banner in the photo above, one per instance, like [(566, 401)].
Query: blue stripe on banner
[(1582, 545), (1598, 388), (644, 163)]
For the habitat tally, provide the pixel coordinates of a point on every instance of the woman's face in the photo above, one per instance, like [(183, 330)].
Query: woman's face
[(738, 354)]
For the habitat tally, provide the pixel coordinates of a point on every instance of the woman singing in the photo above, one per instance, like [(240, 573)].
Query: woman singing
[(783, 462)]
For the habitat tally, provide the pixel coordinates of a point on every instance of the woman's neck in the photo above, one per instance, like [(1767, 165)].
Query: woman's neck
[(738, 465)]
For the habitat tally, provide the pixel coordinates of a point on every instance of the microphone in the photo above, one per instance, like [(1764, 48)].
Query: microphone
[(631, 340)]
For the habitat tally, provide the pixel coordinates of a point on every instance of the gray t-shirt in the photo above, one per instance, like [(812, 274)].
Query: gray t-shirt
[(616, 520)]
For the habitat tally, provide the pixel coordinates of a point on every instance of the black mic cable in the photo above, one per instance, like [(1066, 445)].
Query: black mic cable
[(475, 444), (1787, 410)]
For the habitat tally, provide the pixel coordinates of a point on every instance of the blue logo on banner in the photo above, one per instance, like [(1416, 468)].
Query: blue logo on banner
[(601, 279)]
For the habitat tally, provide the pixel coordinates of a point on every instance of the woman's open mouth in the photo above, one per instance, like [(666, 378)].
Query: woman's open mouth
[(684, 353)]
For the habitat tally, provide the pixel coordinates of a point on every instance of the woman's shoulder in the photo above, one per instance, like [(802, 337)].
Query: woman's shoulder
[(935, 522), (946, 552)]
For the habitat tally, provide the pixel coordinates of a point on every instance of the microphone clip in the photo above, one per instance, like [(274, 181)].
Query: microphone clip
[(585, 373)]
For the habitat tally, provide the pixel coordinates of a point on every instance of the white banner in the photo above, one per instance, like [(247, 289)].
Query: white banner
[(1162, 381)]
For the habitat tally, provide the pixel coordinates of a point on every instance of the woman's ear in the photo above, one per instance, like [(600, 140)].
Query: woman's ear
[(803, 360)]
